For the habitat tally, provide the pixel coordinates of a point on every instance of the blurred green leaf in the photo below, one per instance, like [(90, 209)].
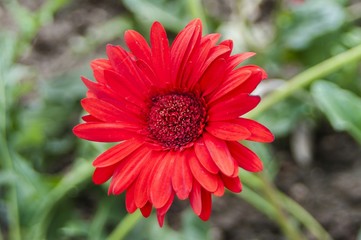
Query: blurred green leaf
[(284, 116), (7, 177), (148, 230), (149, 11), (310, 20), (24, 18), (341, 107), (265, 153), (102, 33), (193, 227)]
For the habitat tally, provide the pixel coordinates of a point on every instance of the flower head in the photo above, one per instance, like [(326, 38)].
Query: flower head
[(176, 113)]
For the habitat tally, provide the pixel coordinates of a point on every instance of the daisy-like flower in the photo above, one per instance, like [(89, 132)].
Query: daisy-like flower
[(175, 111)]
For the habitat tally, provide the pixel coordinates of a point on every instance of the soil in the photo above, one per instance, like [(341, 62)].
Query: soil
[(329, 188)]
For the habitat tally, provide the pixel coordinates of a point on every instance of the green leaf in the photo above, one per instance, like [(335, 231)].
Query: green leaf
[(193, 227), (310, 20), (283, 116), (341, 107), (150, 11)]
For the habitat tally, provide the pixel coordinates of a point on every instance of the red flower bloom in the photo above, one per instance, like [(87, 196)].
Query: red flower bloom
[(176, 112)]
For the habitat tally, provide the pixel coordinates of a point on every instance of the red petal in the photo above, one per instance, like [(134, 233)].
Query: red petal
[(190, 60), (182, 178), (212, 77), (160, 52), (90, 118), (160, 219), (101, 175), (238, 82), (103, 93), (125, 88), (117, 153), (228, 43), (245, 158), (146, 210), (106, 132), (206, 205), (234, 79), (161, 185), (182, 47), (220, 154), (204, 157), (98, 66), (128, 170), (203, 57), (231, 107), (213, 37), (228, 131), (194, 74), (138, 45), (235, 173), (123, 64), (235, 60), (232, 183), (163, 210), (258, 74), (148, 72), (216, 52), (206, 179), (106, 112), (259, 133), (129, 200), (195, 198), (143, 181), (220, 189)]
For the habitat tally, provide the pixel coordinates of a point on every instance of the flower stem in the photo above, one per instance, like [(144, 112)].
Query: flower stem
[(306, 77), (304, 217), (293, 208), (197, 10), (288, 228), (299, 81), (125, 226), (258, 202), (76, 176), (8, 49)]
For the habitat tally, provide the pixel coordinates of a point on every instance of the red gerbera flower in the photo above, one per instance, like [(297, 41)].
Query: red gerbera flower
[(175, 111)]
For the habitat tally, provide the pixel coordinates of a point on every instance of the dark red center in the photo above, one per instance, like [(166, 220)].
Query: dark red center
[(176, 119)]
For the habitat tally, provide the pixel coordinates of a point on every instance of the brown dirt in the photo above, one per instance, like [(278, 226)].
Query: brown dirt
[(330, 188)]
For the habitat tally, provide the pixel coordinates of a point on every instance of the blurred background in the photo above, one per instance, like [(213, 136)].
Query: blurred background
[(45, 171)]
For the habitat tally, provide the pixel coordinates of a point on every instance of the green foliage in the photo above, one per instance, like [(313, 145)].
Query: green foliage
[(45, 172), (167, 12), (341, 107), (303, 24), (191, 228)]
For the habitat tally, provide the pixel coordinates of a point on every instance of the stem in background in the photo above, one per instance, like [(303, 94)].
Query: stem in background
[(299, 81), (305, 78), (258, 202), (196, 9), (125, 226), (286, 225), (12, 198), (76, 176), (99, 220), (298, 212), (304, 217)]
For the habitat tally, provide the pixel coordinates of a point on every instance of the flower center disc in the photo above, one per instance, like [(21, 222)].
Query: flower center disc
[(176, 119)]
